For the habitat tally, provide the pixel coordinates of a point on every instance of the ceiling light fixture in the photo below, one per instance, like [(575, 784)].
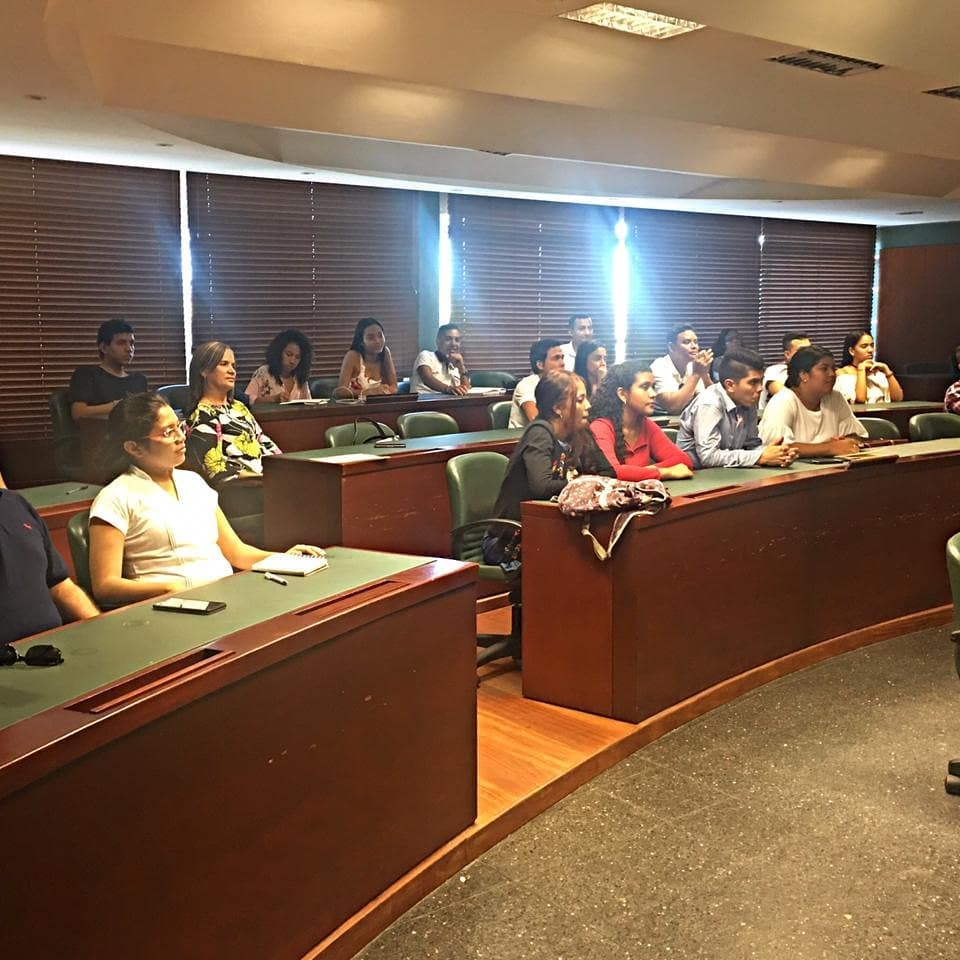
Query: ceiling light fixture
[(34, 96), (615, 16), (164, 144), (909, 213)]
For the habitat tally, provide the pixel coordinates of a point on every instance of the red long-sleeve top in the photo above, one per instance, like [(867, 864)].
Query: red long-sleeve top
[(652, 447)]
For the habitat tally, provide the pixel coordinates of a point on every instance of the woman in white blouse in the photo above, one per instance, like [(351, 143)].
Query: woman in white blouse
[(156, 529), (863, 379)]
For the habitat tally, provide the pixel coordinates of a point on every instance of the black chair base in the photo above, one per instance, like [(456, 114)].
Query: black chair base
[(497, 646), (951, 782)]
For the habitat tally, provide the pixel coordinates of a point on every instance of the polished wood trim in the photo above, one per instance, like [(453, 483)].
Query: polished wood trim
[(533, 754)]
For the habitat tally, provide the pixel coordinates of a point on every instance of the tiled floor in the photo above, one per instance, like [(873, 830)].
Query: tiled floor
[(804, 820)]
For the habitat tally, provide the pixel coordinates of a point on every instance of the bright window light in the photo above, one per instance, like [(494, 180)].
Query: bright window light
[(186, 272), (621, 289), (445, 266), (615, 16)]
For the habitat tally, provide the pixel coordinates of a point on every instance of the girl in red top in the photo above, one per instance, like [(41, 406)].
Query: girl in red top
[(620, 420)]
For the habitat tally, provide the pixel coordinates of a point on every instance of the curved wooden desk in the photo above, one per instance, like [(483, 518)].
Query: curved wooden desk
[(737, 584)]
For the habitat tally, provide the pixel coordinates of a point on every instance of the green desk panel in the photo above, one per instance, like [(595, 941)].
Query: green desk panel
[(417, 443), (103, 650), (716, 478), (57, 494)]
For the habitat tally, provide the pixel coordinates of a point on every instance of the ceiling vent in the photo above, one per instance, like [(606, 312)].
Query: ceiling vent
[(831, 64), (952, 92)]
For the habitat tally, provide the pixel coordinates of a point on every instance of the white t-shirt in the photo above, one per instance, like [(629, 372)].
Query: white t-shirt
[(788, 418), (449, 375), (165, 537), (878, 387), (569, 355), (775, 373), (668, 379), (523, 392)]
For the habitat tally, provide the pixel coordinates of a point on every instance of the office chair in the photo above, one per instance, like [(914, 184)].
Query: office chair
[(78, 537), (934, 426), (499, 414), (353, 434), (492, 378), (426, 423), (403, 387), (670, 433), (66, 437), (879, 429), (952, 782), (473, 483), (322, 388), (177, 395)]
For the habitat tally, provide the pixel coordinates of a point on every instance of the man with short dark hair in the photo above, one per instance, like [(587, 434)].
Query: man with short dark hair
[(775, 376), (683, 372), (719, 428), (546, 355), (36, 592), (580, 326), (96, 390), (442, 370)]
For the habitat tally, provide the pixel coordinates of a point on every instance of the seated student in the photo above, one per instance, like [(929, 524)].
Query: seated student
[(635, 446), (580, 326), (727, 339), (719, 429), (810, 415), (224, 441), (367, 368), (546, 355), (156, 529), (95, 390), (3, 483), (951, 400), (36, 592), (442, 370), (286, 374), (683, 372), (555, 447), (775, 376), (863, 379), (591, 365)]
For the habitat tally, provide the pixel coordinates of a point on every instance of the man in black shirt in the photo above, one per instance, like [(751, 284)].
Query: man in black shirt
[(95, 391), (35, 591)]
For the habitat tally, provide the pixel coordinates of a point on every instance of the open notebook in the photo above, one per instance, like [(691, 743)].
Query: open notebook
[(290, 564)]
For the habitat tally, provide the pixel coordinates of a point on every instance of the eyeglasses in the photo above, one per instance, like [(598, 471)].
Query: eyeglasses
[(177, 430), (39, 655)]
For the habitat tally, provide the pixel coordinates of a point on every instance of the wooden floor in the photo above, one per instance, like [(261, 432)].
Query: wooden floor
[(532, 754)]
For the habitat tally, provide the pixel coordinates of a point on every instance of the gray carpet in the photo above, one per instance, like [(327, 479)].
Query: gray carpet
[(805, 820)]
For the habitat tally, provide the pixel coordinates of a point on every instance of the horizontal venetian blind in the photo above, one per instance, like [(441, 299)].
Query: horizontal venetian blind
[(272, 254), (815, 278), (80, 243), (521, 268), (697, 269)]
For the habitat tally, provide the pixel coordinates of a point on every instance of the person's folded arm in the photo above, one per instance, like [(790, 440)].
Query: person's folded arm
[(538, 463), (106, 569), (72, 602), (241, 555), (663, 451)]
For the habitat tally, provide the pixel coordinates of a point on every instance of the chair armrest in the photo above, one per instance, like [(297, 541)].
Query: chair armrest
[(457, 534)]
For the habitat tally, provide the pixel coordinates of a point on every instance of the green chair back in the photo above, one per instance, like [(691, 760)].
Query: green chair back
[(78, 537), (953, 570), (499, 414), (670, 433), (403, 387), (492, 378), (176, 394), (351, 434), (322, 388), (934, 426), (66, 437), (473, 483), (879, 429), (426, 423)]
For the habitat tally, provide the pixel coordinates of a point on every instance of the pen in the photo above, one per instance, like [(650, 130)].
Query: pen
[(77, 489), (273, 578)]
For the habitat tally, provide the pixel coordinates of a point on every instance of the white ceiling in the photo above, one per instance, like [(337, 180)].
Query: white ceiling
[(417, 92)]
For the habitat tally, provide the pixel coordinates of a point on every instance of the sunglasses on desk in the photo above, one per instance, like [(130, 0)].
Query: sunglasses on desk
[(39, 655)]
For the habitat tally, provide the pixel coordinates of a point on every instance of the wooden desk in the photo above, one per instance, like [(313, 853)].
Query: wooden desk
[(729, 579), (57, 503), (296, 428), (898, 413), (397, 501), (237, 785)]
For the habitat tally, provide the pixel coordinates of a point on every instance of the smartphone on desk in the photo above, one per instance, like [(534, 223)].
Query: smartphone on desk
[(201, 607)]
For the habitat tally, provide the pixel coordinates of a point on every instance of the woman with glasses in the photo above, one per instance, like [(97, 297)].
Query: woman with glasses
[(156, 528)]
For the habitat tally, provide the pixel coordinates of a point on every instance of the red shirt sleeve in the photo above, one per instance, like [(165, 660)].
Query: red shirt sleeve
[(603, 433), (663, 450)]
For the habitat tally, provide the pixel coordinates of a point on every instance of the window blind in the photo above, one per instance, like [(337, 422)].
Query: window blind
[(691, 268), (815, 278), (80, 243), (521, 268), (272, 254)]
